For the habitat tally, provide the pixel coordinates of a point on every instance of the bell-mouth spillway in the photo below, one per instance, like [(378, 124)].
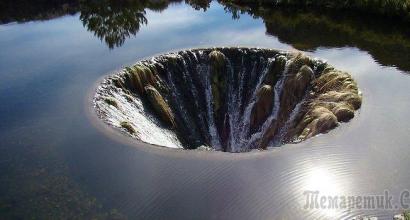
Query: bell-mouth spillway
[(226, 99)]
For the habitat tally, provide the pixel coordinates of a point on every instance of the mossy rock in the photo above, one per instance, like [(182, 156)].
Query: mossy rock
[(344, 112), (334, 80), (127, 126), (305, 73), (351, 98), (295, 88), (277, 69), (297, 61), (317, 121), (111, 101), (117, 82), (141, 76), (217, 62), (172, 59), (217, 59), (263, 106), (160, 106), (334, 99), (302, 80), (129, 98)]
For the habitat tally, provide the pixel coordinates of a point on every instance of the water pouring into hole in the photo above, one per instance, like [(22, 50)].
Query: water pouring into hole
[(227, 99)]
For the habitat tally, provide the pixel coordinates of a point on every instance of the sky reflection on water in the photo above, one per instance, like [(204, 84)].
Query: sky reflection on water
[(48, 67)]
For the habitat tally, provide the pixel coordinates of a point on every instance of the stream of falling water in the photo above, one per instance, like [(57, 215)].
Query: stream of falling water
[(275, 109), (189, 86)]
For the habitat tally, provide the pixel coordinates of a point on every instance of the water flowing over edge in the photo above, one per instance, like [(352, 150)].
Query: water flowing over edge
[(227, 99)]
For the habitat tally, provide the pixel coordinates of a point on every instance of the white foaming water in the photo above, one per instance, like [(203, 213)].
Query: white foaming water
[(275, 110), (189, 81), (236, 113), (281, 134), (189, 93), (240, 138), (215, 141), (147, 128)]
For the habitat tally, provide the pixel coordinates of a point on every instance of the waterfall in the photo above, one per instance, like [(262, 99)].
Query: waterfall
[(184, 91), (236, 113), (282, 132), (275, 110), (132, 110), (215, 141), (241, 138)]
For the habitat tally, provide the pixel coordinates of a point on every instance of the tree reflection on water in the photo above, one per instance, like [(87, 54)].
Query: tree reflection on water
[(114, 21)]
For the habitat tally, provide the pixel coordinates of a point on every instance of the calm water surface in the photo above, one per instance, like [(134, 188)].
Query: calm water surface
[(55, 163)]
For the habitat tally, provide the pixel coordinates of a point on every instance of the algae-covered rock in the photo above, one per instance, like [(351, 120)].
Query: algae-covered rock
[(217, 59), (258, 97), (351, 98), (276, 70), (127, 126), (334, 98), (297, 61), (294, 89), (334, 80), (263, 106), (118, 82), (316, 121), (141, 77), (305, 73), (160, 106), (129, 98), (111, 101), (344, 112), (217, 63), (301, 81)]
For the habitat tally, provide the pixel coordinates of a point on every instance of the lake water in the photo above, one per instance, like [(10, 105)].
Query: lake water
[(55, 163)]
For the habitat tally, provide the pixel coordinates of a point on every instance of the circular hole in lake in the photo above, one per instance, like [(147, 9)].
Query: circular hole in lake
[(227, 99)]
